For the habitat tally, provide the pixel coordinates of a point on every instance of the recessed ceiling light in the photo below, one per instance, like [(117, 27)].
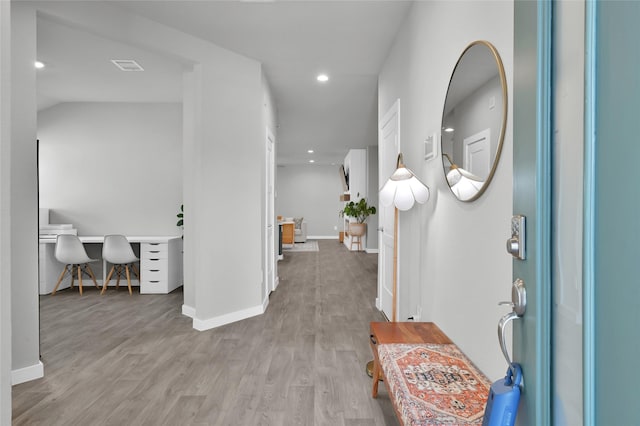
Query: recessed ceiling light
[(38, 65), (312, 161), (448, 129), (310, 151), (322, 78)]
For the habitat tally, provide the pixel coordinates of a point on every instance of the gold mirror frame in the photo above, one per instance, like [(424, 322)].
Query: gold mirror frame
[(447, 162)]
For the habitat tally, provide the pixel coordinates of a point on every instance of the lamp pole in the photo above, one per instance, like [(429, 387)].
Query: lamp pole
[(395, 267), (401, 190)]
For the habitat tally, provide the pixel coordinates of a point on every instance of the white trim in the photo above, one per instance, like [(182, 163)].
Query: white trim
[(26, 374), (271, 227), (275, 283), (372, 251), (188, 311), (322, 237), (209, 323)]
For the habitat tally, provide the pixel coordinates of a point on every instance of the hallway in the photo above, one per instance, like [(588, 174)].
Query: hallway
[(121, 360)]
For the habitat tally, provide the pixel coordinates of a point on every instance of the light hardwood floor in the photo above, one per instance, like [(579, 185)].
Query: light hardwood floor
[(135, 360)]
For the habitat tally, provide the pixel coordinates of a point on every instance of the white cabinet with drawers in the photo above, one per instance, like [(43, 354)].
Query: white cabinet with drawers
[(160, 266)]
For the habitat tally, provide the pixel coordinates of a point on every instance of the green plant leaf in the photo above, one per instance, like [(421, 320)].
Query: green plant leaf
[(359, 211), (180, 216)]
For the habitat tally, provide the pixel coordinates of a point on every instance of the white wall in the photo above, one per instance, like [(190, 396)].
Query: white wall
[(313, 192), (5, 224), (270, 124), (223, 149), (103, 166), (453, 261), (24, 203), (223, 232)]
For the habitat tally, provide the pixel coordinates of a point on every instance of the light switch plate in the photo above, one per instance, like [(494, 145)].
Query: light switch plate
[(431, 146)]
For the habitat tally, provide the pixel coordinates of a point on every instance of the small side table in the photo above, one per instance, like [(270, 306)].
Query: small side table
[(401, 332), (288, 232)]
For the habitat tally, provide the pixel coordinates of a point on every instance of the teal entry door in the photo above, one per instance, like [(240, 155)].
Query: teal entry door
[(532, 199), (613, 261), (576, 142)]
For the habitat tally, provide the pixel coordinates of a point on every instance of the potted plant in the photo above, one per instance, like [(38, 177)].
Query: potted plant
[(360, 211)]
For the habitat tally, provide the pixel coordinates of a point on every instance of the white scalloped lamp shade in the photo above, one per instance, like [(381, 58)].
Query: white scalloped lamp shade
[(464, 184), (403, 189)]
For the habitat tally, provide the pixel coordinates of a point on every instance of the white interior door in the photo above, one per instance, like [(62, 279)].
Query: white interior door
[(270, 240), (477, 158), (388, 149)]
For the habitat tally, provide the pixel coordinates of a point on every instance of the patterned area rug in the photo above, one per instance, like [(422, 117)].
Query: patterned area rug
[(434, 384), (310, 245)]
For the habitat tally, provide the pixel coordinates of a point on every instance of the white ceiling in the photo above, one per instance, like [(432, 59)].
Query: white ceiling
[(294, 40)]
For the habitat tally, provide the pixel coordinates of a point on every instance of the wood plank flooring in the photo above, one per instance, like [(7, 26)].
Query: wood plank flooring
[(135, 360)]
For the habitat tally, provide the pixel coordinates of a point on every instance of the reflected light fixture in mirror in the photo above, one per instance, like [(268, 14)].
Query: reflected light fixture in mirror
[(474, 120), (463, 184)]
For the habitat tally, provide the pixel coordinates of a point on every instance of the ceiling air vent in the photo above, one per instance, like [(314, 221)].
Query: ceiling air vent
[(127, 65)]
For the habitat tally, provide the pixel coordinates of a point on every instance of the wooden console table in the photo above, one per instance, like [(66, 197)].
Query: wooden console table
[(429, 380), (401, 332)]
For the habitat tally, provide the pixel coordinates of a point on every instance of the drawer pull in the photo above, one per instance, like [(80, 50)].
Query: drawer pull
[(154, 270), (373, 339), (154, 251), (155, 282)]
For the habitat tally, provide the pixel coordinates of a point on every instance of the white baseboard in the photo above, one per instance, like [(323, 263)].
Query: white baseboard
[(322, 237), (372, 251), (209, 323), (188, 311), (276, 283), (26, 374), (378, 304)]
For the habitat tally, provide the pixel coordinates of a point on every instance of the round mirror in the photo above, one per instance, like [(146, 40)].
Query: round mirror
[(474, 120)]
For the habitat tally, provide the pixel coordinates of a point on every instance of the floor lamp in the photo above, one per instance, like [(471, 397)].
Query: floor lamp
[(401, 190)]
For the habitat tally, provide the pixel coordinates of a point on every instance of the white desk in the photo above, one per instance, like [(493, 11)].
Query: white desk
[(160, 263)]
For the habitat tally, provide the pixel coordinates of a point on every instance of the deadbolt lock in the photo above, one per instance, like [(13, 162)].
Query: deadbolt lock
[(515, 244)]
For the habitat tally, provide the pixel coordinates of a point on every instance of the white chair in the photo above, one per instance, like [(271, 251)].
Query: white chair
[(117, 251), (70, 251)]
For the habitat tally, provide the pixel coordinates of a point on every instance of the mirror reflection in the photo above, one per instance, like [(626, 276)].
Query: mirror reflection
[(474, 120)]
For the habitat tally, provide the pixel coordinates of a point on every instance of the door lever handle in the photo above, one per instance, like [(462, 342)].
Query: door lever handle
[(518, 306), (502, 324)]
